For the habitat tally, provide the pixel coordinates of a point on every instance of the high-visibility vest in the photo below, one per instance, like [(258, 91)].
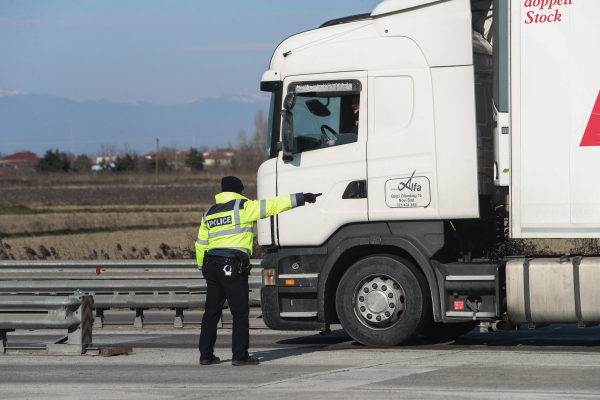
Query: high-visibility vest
[(229, 223)]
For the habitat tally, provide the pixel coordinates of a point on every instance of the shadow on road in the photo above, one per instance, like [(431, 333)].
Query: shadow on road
[(552, 338), (335, 337)]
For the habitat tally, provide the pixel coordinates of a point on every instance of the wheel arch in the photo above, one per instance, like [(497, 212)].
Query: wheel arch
[(348, 251)]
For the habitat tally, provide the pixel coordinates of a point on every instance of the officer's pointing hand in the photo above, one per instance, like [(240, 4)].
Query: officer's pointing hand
[(311, 197)]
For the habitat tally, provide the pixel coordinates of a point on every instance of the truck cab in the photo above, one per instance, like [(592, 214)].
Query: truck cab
[(402, 119)]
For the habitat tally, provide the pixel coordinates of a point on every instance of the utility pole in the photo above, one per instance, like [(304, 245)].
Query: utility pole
[(157, 160)]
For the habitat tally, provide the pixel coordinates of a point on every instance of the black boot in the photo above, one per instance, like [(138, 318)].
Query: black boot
[(246, 361), (210, 361)]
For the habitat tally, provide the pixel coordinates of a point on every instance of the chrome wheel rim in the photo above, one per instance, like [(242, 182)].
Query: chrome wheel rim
[(379, 301)]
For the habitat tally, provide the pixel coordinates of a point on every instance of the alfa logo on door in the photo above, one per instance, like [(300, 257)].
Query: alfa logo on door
[(408, 192), (591, 137)]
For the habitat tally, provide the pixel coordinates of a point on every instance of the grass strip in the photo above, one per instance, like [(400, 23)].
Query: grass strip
[(6, 209), (95, 230)]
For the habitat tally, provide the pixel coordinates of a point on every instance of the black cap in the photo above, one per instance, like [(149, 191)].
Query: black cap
[(231, 184)]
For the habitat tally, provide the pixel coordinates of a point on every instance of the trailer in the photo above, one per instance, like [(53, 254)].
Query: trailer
[(431, 127)]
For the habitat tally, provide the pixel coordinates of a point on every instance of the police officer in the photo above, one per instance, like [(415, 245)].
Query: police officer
[(225, 239)]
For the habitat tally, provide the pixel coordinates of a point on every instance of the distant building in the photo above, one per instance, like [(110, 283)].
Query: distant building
[(25, 160), (106, 159), (149, 156), (220, 157), (175, 159)]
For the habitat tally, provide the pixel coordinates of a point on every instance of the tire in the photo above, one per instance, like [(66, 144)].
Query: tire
[(446, 332), (369, 289)]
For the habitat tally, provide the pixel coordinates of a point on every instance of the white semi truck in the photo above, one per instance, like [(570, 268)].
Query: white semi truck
[(428, 125)]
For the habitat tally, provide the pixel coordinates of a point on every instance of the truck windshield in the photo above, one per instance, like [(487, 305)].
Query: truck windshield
[(322, 121)]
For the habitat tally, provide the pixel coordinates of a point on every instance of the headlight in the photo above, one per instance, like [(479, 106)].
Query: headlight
[(269, 277)]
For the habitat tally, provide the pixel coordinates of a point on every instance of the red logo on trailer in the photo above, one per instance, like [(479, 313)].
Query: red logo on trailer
[(591, 137)]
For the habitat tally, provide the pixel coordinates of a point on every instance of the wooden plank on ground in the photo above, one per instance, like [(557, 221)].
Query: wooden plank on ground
[(113, 351)]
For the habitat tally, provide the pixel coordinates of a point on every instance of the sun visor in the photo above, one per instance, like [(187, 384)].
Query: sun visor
[(326, 88)]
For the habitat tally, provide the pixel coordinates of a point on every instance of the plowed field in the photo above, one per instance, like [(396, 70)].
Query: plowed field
[(114, 195)]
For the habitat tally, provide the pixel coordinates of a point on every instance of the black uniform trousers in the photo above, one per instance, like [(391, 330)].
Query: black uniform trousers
[(218, 288)]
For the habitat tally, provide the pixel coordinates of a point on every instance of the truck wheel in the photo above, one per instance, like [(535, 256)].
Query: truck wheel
[(383, 300), (441, 331)]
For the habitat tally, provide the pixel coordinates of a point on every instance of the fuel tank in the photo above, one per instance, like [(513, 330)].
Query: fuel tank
[(553, 290)]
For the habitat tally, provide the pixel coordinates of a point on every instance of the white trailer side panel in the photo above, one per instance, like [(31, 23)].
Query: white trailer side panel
[(555, 190)]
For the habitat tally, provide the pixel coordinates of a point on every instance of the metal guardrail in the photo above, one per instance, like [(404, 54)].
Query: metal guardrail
[(134, 284), (49, 312)]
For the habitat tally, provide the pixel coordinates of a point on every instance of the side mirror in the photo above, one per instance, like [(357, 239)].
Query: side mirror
[(290, 101), (287, 127), (287, 135)]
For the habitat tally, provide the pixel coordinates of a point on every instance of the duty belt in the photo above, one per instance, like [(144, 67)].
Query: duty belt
[(223, 260)]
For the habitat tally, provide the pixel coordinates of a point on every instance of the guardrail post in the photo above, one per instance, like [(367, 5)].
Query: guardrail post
[(99, 319), (82, 334), (79, 336), (4, 340), (179, 319), (139, 318)]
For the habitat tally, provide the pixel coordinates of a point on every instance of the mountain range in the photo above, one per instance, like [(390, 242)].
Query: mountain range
[(38, 122)]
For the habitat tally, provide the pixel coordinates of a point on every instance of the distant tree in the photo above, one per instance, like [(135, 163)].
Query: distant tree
[(259, 136), (163, 165), (125, 163), (167, 149), (53, 162), (242, 140), (81, 163), (233, 163), (195, 160), (107, 149), (252, 153)]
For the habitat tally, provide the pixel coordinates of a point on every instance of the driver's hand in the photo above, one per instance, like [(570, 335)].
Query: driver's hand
[(330, 142), (311, 197)]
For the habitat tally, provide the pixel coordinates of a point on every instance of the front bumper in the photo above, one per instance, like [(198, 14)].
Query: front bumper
[(269, 303)]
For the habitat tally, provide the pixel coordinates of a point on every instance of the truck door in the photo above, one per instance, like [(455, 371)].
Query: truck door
[(329, 156)]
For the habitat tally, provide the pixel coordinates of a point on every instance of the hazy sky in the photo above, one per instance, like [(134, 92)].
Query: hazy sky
[(162, 52)]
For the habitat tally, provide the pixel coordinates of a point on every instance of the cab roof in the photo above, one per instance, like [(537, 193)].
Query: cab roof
[(391, 6)]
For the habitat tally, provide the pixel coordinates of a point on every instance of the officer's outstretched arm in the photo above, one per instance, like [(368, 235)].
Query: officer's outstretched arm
[(201, 243), (258, 209)]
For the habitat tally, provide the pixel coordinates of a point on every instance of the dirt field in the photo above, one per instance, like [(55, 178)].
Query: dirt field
[(79, 247), (76, 221), (65, 203), (114, 195), (145, 219), (210, 177)]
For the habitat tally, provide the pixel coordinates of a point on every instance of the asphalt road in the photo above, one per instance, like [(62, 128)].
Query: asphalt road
[(560, 361)]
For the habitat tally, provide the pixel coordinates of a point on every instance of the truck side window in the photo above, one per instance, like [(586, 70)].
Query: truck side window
[(323, 120)]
